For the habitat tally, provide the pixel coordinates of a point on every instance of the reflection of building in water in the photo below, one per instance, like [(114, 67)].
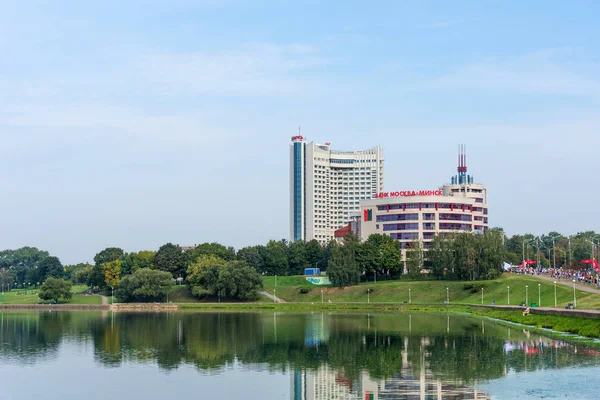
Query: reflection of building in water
[(316, 331), (327, 384)]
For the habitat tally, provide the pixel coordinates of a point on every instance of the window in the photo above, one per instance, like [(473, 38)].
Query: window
[(397, 217), (428, 226), (456, 217), (428, 217), (405, 236), (455, 226), (400, 227)]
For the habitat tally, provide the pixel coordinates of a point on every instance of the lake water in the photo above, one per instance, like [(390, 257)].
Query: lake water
[(201, 355)]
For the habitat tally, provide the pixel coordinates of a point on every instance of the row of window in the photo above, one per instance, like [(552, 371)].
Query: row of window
[(405, 236), (400, 227), (437, 206), (455, 217), (397, 217)]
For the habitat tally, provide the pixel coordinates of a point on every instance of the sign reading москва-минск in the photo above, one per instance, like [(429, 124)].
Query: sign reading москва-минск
[(409, 193)]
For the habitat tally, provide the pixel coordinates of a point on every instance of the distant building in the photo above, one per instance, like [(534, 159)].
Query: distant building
[(326, 187), (407, 216)]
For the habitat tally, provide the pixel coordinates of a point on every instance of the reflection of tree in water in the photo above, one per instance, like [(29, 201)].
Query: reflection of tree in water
[(385, 346), (34, 336)]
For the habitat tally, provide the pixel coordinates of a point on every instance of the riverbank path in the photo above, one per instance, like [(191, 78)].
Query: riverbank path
[(104, 300), (566, 282), (270, 296)]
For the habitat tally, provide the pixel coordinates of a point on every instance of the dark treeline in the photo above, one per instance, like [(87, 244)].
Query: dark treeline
[(214, 341), (463, 256)]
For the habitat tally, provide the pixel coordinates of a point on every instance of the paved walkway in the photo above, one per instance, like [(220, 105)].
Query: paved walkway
[(270, 296), (104, 300), (567, 282)]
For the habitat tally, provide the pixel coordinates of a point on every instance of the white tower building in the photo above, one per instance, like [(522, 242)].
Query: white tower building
[(327, 185)]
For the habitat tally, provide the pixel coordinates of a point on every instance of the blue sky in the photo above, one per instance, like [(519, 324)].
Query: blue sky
[(137, 123)]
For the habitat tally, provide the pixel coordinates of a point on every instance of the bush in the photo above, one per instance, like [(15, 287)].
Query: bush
[(369, 290), (474, 287), (144, 284), (304, 290), (233, 280)]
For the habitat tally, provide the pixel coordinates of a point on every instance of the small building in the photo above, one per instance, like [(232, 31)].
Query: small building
[(312, 271)]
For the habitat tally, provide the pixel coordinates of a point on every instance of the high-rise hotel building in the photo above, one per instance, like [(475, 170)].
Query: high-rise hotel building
[(327, 186)]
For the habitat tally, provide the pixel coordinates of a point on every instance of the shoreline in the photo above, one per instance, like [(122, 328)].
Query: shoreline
[(303, 306), (583, 324)]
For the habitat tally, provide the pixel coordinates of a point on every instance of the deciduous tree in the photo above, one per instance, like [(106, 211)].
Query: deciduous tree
[(144, 285), (54, 289)]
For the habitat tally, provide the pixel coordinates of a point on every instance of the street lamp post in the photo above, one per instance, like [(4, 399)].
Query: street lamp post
[(508, 293), (574, 295), (526, 295), (555, 294), (409, 299), (447, 296), (481, 295), (368, 295), (554, 254), (539, 294), (321, 295), (538, 253), (274, 296)]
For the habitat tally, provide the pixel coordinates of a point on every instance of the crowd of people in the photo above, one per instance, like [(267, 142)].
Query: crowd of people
[(589, 276)]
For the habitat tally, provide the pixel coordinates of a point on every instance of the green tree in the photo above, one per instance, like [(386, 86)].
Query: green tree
[(134, 261), (466, 256), (203, 274), (252, 256), (49, 267), (216, 249), (54, 289), (82, 276), (343, 269), (71, 270), (297, 260), (108, 255), (169, 258), (440, 256), (314, 254), (144, 285), (414, 259), (276, 261), (238, 281), (23, 261), (7, 277), (492, 255)]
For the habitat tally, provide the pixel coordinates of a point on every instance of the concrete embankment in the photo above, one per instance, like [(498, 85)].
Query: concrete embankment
[(55, 307), (546, 311), (592, 314)]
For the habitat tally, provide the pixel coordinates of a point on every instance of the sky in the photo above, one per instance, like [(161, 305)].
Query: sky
[(136, 123)]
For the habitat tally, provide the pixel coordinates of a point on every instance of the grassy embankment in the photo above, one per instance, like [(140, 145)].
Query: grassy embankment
[(181, 294), (289, 288), (12, 297)]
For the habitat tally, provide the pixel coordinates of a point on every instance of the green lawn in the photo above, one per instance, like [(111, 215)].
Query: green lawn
[(431, 292), (13, 298)]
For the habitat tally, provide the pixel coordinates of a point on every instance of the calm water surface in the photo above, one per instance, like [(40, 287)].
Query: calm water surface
[(104, 355)]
